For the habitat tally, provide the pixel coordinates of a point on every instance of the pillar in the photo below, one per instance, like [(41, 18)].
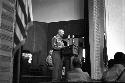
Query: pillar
[(96, 37)]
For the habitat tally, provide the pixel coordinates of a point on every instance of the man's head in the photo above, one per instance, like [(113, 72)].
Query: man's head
[(76, 62), (61, 32), (119, 57), (110, 63)]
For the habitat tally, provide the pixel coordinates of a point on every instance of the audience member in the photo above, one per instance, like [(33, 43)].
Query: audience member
[(49, 63), (116, 72), (77, 75), (84, 65), (49, 59), (110, 63)]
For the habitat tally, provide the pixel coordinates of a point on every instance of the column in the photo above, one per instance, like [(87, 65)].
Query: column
[(96, 37)]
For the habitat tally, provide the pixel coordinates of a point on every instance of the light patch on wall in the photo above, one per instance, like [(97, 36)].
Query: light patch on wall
[(83, 53), (115, 19), (57, 10)]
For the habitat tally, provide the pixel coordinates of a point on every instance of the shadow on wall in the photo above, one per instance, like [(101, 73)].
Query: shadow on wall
[(37, 44), (58, 10)]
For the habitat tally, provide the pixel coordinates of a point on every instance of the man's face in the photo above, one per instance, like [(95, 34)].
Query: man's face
[(61, 33)]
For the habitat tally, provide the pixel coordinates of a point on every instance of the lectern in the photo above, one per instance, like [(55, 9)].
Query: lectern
[(69, 50), (67, 53)]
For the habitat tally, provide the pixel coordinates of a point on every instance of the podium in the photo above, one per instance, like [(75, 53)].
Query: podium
[(67, 53), (69, 50)]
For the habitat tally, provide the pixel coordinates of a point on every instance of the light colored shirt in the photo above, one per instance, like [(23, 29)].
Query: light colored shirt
[(77, 75), (57, 42), (113, 73)]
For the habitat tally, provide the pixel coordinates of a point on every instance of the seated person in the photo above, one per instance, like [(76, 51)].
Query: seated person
[(110, 63), (84, 65), (49, 63), (49, 59), (77, 75), (115, 73)]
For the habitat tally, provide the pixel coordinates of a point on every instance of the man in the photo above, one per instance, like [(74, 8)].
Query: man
[(57, 44), (77, 75), (116, 72)]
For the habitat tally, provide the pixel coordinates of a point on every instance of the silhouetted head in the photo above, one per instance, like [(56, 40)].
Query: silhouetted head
[(76, 62), (119, 58), (110, 63)]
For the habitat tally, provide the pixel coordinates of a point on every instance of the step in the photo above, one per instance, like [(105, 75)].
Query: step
[(35, 79)]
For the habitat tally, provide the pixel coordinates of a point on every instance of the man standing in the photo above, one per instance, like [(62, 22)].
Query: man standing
[(57, 44)]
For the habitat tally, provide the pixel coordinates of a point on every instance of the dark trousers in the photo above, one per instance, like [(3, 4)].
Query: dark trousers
[(57, 64)]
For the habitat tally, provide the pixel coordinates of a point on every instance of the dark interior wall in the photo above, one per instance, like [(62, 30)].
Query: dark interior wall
[(37, 43)]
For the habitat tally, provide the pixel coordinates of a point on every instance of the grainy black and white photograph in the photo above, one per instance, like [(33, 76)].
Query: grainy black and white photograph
[(62, 41)]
